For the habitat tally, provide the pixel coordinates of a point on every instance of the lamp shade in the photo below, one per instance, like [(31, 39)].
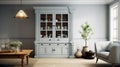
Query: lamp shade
[(21, 14)]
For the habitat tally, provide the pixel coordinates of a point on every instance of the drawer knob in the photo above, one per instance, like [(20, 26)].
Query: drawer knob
[(57, 39), (53, 49), (49, 39)]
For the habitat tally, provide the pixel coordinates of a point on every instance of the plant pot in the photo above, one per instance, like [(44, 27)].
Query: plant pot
[(78, 53), (84, 50), (16, 49)]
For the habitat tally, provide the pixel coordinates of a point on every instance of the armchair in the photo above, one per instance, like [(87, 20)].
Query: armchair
[(108, 51)]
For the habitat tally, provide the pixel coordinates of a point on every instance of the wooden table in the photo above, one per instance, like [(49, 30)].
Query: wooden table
[(24, 54)]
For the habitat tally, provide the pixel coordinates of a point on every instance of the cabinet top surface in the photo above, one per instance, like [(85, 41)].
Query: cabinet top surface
[(51, 7)]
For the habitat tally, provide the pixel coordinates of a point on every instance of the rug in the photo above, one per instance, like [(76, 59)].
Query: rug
[(56, 62)]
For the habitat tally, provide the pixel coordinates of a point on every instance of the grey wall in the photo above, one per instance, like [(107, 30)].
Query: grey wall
[(24, 30), (17, 29), (97, 17), (115, 1)]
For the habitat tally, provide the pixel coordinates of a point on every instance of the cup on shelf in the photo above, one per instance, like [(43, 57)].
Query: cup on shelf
[(62, 27), (41, 20), (41, 36), (41, 28), (56, 20), (58, 36), (46, 36), (65, 27), (58, 27), (50, 36), (48, 27), (61, 35), (49, 19)]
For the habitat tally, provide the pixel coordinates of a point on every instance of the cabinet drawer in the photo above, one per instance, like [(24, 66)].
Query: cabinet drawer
[(42, 50), (65, 50), (46, 40), (52, 49), (61, 40), (49, 50), (56, 50)]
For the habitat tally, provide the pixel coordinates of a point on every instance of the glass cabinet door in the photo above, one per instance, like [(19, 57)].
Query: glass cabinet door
[(54, 23), (46, 22), (61, 25)]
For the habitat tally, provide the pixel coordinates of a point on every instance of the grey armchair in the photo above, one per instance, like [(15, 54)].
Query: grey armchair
[(108, 51)]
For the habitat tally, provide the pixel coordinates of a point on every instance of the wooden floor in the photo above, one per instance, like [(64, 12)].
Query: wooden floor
[(55, 62)]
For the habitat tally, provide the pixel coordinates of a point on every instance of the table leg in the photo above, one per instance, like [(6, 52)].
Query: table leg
[(22, 62), (27, 59)]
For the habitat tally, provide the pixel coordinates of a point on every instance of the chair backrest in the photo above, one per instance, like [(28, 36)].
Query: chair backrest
[(116, 42), (101, 45), (95, 49)]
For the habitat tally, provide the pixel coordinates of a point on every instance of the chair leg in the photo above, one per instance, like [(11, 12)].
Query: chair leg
[(96, 60), (113, 65)]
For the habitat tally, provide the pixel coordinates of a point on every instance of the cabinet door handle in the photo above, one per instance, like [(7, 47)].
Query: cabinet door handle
[(57, 39), (53, 49), (53, 25), (49, 39)]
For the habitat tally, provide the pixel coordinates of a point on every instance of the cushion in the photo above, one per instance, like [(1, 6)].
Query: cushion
[(116, 42), (111, 44), (103, 54)]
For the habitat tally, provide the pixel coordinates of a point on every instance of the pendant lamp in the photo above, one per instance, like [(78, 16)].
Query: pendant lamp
[(21, 13)]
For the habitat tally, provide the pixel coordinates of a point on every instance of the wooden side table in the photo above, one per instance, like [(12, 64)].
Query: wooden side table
[(24, 54)]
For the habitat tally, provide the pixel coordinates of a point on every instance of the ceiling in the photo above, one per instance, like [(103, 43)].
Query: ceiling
[(56, 1)]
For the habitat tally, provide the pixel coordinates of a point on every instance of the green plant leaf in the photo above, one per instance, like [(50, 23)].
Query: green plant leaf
[(86, 31)]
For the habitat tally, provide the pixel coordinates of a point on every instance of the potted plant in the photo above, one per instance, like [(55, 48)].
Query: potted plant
[(86, 34), (15, 45)]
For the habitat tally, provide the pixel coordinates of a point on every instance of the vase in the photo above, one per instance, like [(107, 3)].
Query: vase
[(78, 53), (84, 50), (16, 49)]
